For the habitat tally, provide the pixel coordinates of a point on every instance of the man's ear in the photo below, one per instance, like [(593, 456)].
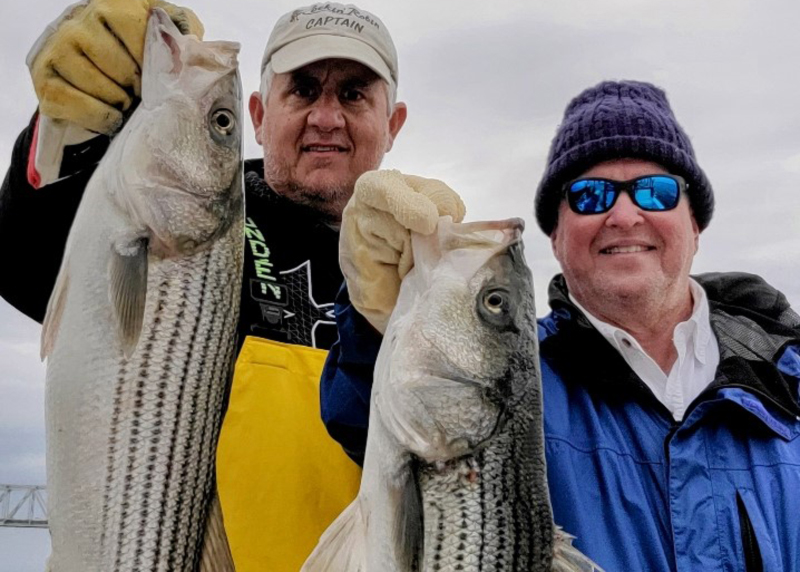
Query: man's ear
[(553, 244), (396, 121), (256, 107), (554, 234)]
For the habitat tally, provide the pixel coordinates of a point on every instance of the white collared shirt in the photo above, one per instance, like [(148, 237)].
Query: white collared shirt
[(692, 372)]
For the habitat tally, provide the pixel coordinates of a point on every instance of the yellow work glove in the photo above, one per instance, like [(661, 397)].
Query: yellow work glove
[(88, 70), (375, 241)]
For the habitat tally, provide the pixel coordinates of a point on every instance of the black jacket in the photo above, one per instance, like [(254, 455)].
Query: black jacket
[(291, 272)]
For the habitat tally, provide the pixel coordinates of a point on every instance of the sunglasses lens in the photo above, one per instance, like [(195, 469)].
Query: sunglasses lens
[(653, 193), (589, 196), (657, 193)]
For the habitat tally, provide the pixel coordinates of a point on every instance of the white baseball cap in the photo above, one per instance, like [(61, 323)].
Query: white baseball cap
[(330, 30)]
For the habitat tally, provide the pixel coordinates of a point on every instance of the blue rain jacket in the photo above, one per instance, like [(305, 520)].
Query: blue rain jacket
[(718, 491)]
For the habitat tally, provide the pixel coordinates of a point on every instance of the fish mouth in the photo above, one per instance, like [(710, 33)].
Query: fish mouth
[(174, 185), (464, 381)]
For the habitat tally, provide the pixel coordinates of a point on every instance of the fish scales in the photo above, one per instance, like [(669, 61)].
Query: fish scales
[(454, 475), (170, 483), (140, 329), (198, 391), (160, 453), (478, 512)]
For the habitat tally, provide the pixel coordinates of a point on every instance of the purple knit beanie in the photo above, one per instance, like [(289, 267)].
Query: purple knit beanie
[(615, 120)]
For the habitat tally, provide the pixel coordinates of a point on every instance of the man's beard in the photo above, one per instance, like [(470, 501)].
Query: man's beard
[(328, 202), (326, 199)]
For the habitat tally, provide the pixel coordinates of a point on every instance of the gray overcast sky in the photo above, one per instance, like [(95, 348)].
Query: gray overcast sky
[(486, 85)]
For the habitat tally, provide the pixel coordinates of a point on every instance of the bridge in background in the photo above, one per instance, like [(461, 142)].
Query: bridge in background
[(23, 506)]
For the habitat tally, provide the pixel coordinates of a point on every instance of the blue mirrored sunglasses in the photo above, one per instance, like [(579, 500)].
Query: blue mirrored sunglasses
[(650, 193)]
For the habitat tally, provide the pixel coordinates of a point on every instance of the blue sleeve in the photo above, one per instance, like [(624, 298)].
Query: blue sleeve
[(347, 378)]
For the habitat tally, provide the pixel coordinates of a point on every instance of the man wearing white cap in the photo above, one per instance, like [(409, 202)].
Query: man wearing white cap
[(325, 113)]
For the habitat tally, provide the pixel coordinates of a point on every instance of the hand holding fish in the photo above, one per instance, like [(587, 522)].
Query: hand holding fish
[(454, 473), (87, 68), (140, 329), (375, 242)]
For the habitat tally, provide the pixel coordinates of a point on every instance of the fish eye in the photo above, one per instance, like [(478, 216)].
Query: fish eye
[(496, 301), (223, 121)]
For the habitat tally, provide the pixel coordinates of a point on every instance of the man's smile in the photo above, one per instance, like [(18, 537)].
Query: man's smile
[(324, 149), (631, 249)]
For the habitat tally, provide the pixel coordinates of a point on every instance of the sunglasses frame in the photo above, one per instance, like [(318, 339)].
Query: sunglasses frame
[(624, 187)]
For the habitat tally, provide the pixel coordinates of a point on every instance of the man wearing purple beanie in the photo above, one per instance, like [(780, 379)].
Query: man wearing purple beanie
[(672, 421)]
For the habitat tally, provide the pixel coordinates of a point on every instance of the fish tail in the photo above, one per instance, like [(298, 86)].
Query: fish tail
[(567, 558), (342, 547)]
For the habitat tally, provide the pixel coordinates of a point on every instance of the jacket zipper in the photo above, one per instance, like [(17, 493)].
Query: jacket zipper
[(750, 548), (752, 553)]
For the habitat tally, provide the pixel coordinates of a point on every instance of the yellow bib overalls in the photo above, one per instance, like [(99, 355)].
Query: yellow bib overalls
[(281, 478)]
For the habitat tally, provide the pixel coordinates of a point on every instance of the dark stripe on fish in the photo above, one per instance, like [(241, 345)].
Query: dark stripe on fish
[(482, 496), (169, 537), (520, 534), (162, 538), (504, 517), (179, 552), (134, 450), (159, 466), (202, 486), (112, 452), (198, 495), (219, 320)]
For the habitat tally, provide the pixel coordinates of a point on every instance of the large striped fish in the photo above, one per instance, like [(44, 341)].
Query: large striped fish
[(140, 328), (454, 475)]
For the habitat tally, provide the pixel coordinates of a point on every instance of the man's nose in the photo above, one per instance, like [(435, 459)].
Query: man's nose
[(327, 114), (625, 213)]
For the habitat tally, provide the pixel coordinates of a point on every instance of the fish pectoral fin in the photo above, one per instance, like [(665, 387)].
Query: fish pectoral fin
[(342, 547), (55, 310), (567, 558), (409, 526), (128, 293)]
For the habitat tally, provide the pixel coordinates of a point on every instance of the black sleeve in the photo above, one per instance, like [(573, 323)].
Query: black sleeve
[(34, 224)]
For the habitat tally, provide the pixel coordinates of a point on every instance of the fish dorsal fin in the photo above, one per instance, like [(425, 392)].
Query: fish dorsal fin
[(567, 558), (343, 546), (128, 293), (55, 310)]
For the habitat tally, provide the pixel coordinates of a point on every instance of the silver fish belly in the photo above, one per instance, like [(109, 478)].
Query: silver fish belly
[(140, 330)]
